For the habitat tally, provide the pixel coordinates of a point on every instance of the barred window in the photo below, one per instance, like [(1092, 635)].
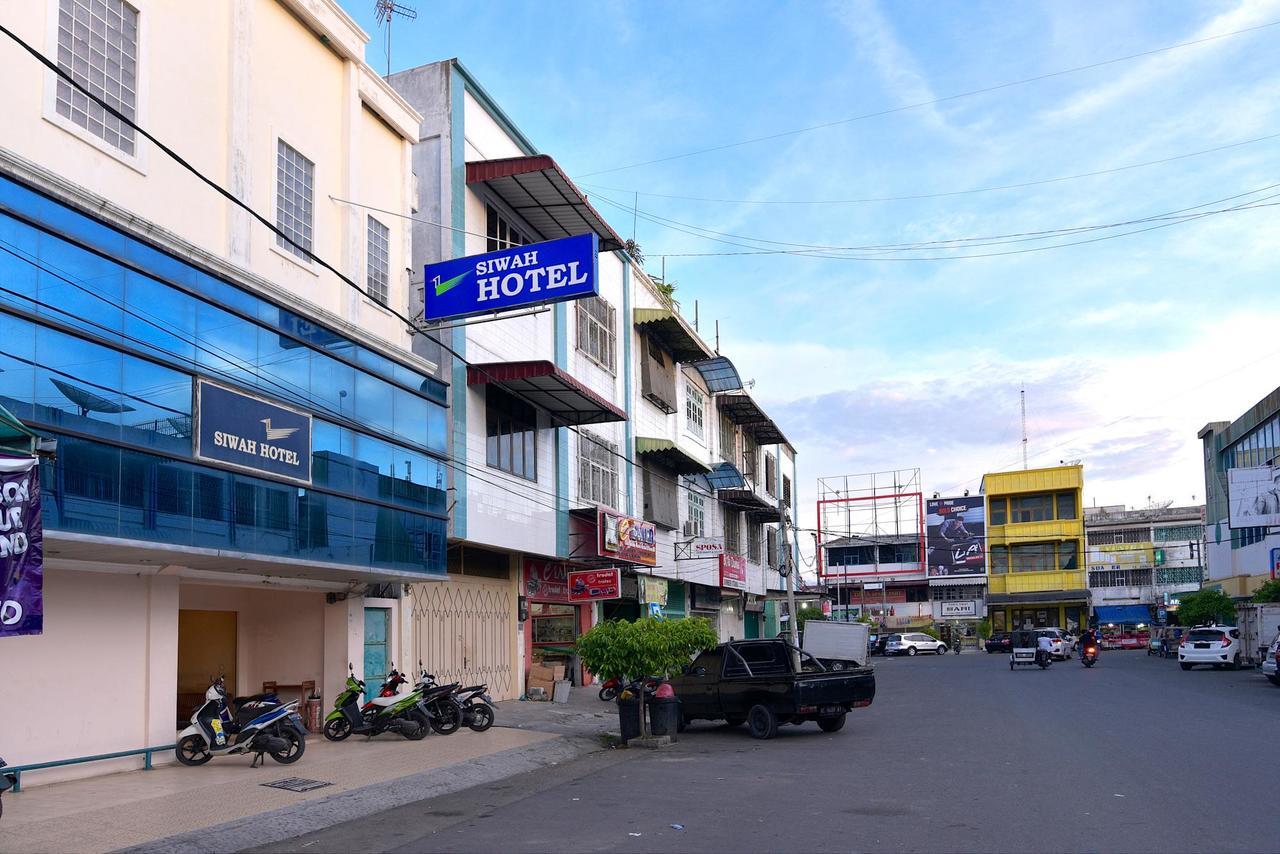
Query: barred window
[(596, 335), (1171, 533), (98, 47), (696, 525), (754, 533), (732, 529), (295, 199), (597, 471), (378, 262), (1116, 536), (771, 546)]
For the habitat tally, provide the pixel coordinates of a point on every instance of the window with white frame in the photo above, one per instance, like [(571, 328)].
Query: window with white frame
[(695, 407), (98, 47), (378, 262), (732, 529), (295, 200), (597, 471), (696, 524), (499, 232), (596, 335)]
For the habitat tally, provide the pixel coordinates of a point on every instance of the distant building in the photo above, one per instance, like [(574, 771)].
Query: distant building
[(882, 578), (1139, 560)]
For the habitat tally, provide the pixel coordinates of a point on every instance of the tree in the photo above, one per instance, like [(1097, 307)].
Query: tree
[(808, 612), (984, 628), (1269, 592), (1206, 606)]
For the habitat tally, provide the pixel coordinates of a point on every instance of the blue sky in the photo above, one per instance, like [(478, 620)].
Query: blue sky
[(1126, 346)]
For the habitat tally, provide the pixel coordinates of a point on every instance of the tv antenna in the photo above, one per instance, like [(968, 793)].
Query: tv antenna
[(385, 11)]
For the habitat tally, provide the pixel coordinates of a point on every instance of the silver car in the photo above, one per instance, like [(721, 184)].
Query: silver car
[(1063, 643), (913, 643)]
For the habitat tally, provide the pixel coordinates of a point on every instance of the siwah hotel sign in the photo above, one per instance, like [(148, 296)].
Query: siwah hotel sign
[(553, 271), (251, 433)]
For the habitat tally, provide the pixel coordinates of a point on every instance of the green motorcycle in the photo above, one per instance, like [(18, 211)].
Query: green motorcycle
[(388, 712)]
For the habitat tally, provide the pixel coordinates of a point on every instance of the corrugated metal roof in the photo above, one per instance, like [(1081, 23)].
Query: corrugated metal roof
[(674, 333), (548, 387)]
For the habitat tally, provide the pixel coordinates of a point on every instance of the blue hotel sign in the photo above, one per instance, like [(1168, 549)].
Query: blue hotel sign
[(553, 271), (249, 433)]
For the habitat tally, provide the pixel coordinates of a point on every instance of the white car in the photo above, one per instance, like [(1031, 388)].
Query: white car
[(1271, 664), (1063, 643), (1215, 645), (911, 643)]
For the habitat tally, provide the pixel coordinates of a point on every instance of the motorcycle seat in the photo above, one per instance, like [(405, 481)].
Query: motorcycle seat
[(479, 689), (269, 698), (387, 701)]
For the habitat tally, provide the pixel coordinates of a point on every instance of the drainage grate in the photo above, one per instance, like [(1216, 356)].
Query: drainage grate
[(297, 784)]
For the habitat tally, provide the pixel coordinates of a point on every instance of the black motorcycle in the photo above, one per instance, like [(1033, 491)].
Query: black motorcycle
[(7, 782), (477, 707), (441, 702)]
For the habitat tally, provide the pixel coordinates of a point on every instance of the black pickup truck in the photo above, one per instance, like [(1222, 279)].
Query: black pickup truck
[(753, 682)]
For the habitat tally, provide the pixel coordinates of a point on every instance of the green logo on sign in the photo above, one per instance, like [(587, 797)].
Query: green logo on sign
[(449, 284)]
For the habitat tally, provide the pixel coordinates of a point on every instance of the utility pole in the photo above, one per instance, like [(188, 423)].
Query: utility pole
[(1023, 395), (785, 559)]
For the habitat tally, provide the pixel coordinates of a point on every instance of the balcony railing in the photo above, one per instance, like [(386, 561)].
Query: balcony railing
[(1037, 582), (1120, 578), (1176, 575)]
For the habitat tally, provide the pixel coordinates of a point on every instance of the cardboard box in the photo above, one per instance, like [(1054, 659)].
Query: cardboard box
[(542, 673), (557, 673), (546, 685)]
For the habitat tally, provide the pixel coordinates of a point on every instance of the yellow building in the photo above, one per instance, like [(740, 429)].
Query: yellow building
[(1035, 549)]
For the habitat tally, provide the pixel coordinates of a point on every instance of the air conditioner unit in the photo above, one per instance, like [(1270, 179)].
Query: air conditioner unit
[(688, 528)]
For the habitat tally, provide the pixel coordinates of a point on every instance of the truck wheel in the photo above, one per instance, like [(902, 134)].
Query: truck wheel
[(762, 722), (831, 723)]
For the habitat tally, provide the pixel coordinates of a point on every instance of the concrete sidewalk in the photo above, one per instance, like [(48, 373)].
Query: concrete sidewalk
[(223, 806)]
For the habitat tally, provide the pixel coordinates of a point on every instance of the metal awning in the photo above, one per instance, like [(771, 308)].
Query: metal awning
[(1049, 597), (748, 501), (1128, 615), (674, 333), (958, 581), (16, 437), (668, 453), (538, 190), (569, 402), (719, 374), (744, 411), (725, 476)]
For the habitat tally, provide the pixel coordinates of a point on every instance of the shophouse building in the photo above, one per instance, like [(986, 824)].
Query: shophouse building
[(1242, 498), (1035, 542), (575, 420), (882, 578), (251, 462), (1141, 561)]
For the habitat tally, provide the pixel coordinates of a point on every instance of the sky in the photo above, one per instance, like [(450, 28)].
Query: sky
[(905, 356)]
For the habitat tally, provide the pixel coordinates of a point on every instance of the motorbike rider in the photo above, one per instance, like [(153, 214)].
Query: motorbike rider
[(1088, 639), (1044, 646)]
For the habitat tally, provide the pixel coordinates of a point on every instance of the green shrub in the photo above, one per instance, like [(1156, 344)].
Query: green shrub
[(645, 647), (1269, 592), (1206, 606), (984, 628)]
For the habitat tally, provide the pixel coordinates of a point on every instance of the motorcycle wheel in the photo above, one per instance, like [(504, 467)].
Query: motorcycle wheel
[(191, 751), (337, 729), (448, 718), (481, 717), (609, 692), (424, 726), (292, 753), (1088, 664)]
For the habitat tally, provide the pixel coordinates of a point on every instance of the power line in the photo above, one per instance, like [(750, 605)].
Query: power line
[(930, 102), (940, 195)]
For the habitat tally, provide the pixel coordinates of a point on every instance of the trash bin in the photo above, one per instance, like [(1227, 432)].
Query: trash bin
[(314, 720), (664, 716), (629, 718)]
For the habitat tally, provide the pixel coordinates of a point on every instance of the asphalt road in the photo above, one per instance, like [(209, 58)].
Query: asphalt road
[(957, 754)]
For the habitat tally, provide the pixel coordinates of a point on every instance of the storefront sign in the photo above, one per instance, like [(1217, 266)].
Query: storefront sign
[(553, 271), (733, 571), (627, 538), (653, 590), (253, 434), (590, 585), (21, 548), (962, 608), (545, 580), (704, 598)]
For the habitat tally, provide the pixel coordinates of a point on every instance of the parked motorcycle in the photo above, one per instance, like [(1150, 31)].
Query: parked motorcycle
[(440, 702), (612, 688), (1089, 655), (7, 782), (477, 707), (388, 712), (259, 724)]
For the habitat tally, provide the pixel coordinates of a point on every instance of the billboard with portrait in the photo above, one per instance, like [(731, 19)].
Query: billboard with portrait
[(956, 536), (1253, 496)]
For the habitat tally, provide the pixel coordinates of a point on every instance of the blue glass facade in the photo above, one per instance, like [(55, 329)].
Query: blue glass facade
[(101, 338)]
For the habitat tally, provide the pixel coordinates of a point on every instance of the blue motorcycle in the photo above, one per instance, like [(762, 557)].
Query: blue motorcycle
[(259, 724)]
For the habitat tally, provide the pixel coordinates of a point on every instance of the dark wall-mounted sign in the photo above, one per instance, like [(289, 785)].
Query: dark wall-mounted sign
[(250, 433), (21, 548)]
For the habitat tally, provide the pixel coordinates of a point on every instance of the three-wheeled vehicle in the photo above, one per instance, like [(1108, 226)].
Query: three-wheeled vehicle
[(1026, 649)]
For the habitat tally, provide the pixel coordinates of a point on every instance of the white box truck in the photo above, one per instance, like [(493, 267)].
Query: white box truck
[(837, 645)]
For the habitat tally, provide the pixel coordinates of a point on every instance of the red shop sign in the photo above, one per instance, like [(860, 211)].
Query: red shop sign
[(733, 571), (589, 585), (546, 580)]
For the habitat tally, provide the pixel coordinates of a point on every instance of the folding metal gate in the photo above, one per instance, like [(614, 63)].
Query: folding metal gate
[(464, 630)]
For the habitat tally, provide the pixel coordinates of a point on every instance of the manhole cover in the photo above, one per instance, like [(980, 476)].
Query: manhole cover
[(297, 784)]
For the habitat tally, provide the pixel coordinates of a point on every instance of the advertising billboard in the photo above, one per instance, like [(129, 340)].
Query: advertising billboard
[(590, 585), (537, 273), (627, 538), (956, 535), (733, 571), (546, 580), (1253, 497), (21, 549)]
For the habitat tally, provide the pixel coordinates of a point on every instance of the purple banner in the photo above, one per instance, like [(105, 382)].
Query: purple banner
[(21, 549)]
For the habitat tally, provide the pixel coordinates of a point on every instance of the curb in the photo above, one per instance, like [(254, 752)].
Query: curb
[(287, 822)]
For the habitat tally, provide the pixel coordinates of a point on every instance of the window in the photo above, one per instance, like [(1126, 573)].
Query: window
[(1172, 533), (1067, 557), (1066, 505), (771, 547), (999, 560), (295, 200), (499, 234), (98, 47), (786, 491), (378, 264), (1031, 508), (511, 434), (749, 457), (1119, 535), (728, 439), (755, 533), (597, 471), (732, 530), (770, 474), (695, 405), (596, 336), (1033, 557), (999, 511), (696, 525)]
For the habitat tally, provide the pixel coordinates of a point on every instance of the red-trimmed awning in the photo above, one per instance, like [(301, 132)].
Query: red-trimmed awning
[(548, 387), (538, 190)]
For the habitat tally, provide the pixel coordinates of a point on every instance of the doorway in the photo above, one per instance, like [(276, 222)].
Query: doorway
[(206, 649), (377, 631)]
